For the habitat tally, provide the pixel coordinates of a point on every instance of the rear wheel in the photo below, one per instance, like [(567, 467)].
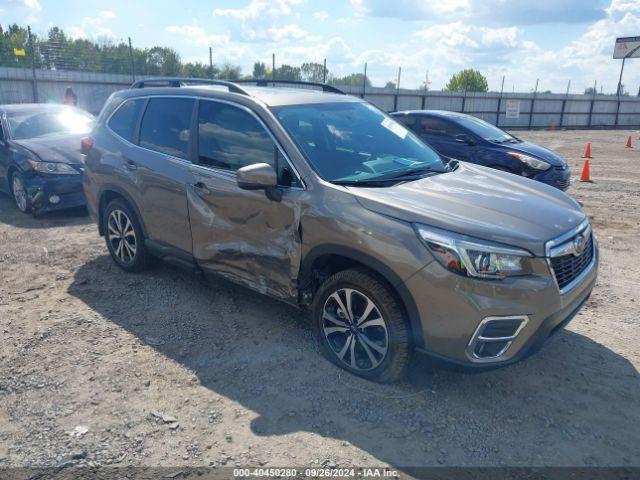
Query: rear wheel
[(361, 326), (19, 192), (124, 237)]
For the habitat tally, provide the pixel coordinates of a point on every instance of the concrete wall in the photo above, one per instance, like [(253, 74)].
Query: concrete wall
[(16, 86)]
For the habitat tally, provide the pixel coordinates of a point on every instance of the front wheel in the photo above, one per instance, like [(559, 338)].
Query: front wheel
[(124, 237), (361, 326), (19, 192)]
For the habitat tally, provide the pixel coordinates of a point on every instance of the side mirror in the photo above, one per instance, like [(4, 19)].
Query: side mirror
[(464, 138), (259, 176)]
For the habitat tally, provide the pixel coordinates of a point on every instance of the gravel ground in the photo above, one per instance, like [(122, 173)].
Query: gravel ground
[(100, 367)]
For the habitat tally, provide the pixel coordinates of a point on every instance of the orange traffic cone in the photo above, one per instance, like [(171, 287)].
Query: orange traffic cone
[(629, 142), (586, 172), (587, 151)]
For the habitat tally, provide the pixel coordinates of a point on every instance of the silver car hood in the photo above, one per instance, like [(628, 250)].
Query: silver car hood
[(480, 202)]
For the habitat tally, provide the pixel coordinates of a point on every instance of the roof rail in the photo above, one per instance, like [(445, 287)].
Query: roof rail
[(183, 81), (265, 83)]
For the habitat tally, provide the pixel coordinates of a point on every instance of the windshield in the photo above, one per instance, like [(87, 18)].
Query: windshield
[(48, 122), (485, 130), (355, 142)]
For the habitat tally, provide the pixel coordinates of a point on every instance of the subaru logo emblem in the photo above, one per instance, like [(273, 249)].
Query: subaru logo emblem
[(578, 245)]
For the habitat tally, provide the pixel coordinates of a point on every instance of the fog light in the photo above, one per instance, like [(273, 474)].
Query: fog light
[(54, 199)]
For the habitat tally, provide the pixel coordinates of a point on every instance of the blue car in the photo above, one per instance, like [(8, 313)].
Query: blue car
[(40, 160), (470, 139)]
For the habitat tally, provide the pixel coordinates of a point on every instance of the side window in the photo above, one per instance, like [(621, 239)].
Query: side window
[(435, 126), (230, 138), (123, 121), (166, 125), (408, 121)]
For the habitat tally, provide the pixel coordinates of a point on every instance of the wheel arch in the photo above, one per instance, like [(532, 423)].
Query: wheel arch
[(111, 192), (325, 260)]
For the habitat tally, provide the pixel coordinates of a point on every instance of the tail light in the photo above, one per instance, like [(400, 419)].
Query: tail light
[(85, 145)]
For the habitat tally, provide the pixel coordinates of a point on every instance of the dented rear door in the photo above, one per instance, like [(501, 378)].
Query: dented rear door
[(241, 234)]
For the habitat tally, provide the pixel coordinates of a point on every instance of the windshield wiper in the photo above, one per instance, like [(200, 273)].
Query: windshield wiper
[(384, 180), (364, 183)]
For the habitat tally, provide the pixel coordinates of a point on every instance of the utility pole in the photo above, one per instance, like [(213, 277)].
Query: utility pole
[(210, 62), (499, 103), (273, 66), (133, 63), (364, 80), (32, 52), (533, 102), (395, 99), (324, 71), (564, 103)]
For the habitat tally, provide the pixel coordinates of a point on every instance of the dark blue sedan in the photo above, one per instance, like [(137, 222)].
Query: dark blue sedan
[(470, 139), (40, 159)]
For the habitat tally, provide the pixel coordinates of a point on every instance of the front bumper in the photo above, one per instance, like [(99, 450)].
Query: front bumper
[(48, 192), (451, 308), (558, 177)]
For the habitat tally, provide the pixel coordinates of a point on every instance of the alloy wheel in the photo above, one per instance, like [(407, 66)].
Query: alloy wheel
[(19, 193), (122, 236), (355, 329)]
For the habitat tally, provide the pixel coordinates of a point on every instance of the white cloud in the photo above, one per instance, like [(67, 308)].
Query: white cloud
[(93, 27), (495, 12), (291, 31), (33, 4), (258, 8), (501, 36), (321, 15), (197, 35)]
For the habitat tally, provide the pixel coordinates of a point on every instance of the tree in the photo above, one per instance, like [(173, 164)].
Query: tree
[(312, 72), (164, 61), (199, 70), (259, 70), (229, 72), (390, 84), (14, 37), (351, 79), (467, 80), (590, 91), (287, 72)]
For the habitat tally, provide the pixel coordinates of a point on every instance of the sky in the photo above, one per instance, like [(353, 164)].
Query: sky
[(551, 40)]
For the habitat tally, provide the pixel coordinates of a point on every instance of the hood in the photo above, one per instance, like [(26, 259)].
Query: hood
[(480, 202), (537, 151), (62, 148)]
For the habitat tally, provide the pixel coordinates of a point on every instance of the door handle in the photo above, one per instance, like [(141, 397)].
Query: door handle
[(201, 189), (130, 164)]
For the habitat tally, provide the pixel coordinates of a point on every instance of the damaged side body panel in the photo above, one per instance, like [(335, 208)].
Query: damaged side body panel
[(244, 236)]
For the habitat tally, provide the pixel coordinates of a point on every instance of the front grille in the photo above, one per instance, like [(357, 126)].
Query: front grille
[(563, 183), (567, 267)]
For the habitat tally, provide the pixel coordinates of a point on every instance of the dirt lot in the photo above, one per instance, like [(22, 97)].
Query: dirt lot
[(92, 358)]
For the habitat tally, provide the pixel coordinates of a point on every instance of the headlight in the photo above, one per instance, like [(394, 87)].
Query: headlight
[(532, 162), (53, 167), (473, 257)]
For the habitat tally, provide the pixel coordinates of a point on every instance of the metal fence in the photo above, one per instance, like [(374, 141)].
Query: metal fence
[(537, 110)]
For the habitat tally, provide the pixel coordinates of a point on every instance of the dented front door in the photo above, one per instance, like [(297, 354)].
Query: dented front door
[(243, 235)]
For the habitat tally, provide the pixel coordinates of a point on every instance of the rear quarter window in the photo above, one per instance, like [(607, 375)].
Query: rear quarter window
[(123, 121)]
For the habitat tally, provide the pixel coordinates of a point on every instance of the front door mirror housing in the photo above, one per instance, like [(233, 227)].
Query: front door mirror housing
[(259, 176), (464, 138)]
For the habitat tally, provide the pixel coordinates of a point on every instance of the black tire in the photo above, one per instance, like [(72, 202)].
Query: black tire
[(120, 247), (393, 365), (23, 203)]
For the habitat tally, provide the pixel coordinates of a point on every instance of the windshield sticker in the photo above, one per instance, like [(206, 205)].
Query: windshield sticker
[(394, 127)]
